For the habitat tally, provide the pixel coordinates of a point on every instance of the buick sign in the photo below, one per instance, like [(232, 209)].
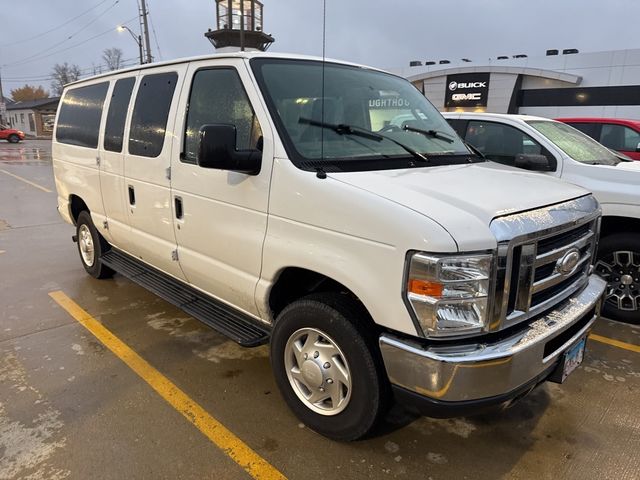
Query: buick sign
[(467, 90)]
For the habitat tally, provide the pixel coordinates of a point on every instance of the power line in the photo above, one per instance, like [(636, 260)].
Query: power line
[(54, 28), (155, 37), (40, 54), (127, 62), (31, 60)]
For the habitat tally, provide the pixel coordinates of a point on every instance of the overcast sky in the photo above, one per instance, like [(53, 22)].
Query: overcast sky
[(381, 33)]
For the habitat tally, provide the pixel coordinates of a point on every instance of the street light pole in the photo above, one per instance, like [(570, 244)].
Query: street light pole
[(137, 38)]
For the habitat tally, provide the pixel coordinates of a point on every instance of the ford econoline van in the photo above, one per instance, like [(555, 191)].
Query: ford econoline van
[(274, 198)]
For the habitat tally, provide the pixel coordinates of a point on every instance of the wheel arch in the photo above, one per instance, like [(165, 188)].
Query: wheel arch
[(612, 224), (76, 206), (293, 283)]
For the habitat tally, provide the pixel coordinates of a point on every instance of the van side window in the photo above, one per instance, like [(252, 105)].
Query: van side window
[(80, 114), (114, 130), (217, 96), (150, 113)]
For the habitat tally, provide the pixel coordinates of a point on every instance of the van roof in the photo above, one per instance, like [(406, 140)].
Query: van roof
[(245, 55)]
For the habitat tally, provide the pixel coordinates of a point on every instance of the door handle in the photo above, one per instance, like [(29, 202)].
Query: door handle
[(132, 195), (178, 209)]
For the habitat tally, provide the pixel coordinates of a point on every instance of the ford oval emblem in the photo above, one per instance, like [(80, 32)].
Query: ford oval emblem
[(567, 264)]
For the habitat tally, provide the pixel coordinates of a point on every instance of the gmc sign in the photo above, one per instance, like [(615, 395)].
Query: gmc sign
[(467, 90)]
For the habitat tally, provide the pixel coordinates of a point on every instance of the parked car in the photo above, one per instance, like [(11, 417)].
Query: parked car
[(614, 133), (11, 135), (374, 259), (559, 150)]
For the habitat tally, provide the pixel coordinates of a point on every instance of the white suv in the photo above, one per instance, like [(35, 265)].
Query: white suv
[(374, 258), (544, 145)]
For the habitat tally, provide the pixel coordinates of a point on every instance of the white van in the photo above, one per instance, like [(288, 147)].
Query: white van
[(378, 261), (544, 145)]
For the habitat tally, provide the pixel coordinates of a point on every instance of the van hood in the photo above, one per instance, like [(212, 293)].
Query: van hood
[(464, 199)]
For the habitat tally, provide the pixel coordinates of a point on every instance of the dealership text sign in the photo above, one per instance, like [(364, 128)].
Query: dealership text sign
[(467, 90)]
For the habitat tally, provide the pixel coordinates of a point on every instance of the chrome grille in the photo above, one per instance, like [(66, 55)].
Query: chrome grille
[(544, 256)]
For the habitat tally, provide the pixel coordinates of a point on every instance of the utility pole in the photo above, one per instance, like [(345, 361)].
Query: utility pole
[(3, 106), (145, 29), (242, 26)]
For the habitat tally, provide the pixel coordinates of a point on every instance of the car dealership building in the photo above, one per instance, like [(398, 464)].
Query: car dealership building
[(559, 84)]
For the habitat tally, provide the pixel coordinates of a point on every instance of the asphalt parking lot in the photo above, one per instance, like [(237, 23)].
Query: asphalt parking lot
[(102, 379)]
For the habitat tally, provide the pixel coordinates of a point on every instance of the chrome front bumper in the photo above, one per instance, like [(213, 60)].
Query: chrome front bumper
[(464, 372)]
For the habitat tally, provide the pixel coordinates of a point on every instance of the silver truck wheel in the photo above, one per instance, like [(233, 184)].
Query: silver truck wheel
[(318, 371)]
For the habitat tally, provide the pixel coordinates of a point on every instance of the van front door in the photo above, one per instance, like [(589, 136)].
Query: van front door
[(221, 216), (146, 169)]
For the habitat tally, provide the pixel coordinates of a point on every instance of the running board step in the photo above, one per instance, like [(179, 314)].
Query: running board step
[(224, 319)]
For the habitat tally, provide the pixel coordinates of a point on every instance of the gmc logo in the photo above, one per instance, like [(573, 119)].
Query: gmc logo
[(456, 97)]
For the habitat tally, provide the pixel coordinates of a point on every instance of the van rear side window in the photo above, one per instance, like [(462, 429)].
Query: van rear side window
[(114, 131), (80, 114), (150, 113)]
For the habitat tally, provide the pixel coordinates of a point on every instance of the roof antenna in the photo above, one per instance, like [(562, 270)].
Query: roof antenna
[(321, 173)]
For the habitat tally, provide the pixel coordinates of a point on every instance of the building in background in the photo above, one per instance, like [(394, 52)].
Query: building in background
[(34, 117), (561, 84)]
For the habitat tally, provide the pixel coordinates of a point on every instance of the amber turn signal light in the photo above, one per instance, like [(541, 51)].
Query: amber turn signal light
[(423, 287)]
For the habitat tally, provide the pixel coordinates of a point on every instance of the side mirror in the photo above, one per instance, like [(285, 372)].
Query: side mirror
[(534, 162), (217, 149), (638, 147)]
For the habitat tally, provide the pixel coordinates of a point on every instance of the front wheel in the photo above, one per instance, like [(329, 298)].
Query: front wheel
[(13, 138), (618, 263), (91, 246), (327, 366)]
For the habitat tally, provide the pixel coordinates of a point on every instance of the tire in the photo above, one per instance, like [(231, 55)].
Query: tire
[(91, 246), (13, 138), (345, 361), (618, 262)]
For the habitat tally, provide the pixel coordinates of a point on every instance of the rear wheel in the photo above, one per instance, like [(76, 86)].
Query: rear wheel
[(619, 264), (13, 138), (91, 246), (327, 366)]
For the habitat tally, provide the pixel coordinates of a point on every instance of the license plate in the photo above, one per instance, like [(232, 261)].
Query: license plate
[(573, 358)]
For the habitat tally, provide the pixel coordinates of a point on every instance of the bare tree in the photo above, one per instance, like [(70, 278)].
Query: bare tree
[(63, 74), (112, 58)]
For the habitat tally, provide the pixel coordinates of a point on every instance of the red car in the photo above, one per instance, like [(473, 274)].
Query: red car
[(11, 135), (614, 133)]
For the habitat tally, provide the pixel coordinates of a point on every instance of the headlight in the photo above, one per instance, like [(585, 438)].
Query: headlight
[(449, 294)]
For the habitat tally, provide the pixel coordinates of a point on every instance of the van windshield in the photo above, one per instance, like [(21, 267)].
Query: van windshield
[(361, 120), (574, 143)]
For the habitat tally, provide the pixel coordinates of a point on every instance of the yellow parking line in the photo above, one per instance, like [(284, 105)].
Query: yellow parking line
[(240, 452), (29, 182), (615, 343)]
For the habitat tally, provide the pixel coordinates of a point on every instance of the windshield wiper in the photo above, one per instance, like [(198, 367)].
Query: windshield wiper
[(430, 133), (344, 129)]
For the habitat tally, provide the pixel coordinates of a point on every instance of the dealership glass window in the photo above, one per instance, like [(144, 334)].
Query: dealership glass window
[(501, 143), (150, 114), (22, 118), (217, 96), (117, 114), (80, 114), (619, 137)]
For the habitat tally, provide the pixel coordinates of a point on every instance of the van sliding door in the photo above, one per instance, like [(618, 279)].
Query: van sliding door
[(146, 168)]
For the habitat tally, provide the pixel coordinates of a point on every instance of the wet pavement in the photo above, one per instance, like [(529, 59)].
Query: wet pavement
[(69, 408)]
